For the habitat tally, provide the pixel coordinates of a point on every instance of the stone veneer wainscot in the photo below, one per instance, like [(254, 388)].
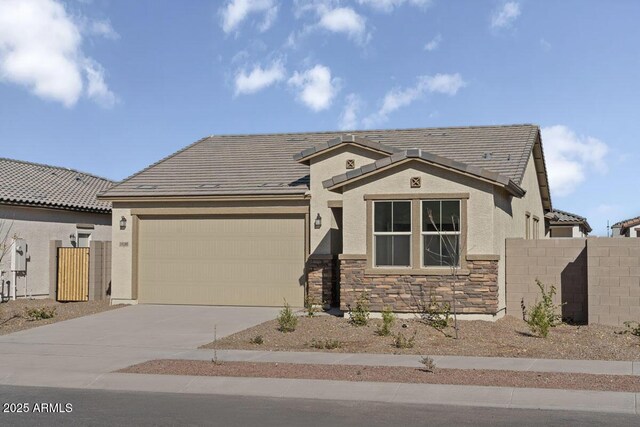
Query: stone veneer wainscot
[(476, 292)]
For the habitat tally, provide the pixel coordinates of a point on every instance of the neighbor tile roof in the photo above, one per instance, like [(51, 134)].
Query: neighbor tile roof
[(264, 164), (624, 224), (558, 216), (27, 183)]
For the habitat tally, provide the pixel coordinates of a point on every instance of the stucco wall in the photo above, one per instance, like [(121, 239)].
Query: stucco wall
[(434, 180), (509, 219), (121, 256), (324, 167), (38, 227)]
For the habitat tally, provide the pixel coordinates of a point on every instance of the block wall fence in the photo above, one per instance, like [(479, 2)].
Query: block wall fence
[(598, 279)]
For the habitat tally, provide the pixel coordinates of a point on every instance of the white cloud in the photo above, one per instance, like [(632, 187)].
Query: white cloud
[(396, 98), (344, 20), (329, 16), (316, 88), (389, 5), (97, 89), (570, 158), (259, 78), (349, 116), (434, 43), (505, 15), (40, 48), (104, 29), (236, 11)]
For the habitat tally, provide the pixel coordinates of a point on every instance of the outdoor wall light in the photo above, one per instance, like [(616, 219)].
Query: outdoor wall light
[(123, 223), (72, 237), (318, 222)]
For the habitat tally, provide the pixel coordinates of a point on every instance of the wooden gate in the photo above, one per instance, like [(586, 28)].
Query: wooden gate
[(73, 274)]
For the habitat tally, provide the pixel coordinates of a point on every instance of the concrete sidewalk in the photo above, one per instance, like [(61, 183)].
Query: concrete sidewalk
[(448, 362)]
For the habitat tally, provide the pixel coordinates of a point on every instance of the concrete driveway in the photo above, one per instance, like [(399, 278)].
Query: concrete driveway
[(76, 352)]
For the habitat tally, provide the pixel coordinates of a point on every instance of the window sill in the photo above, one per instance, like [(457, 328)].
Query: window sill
[(378, 271)]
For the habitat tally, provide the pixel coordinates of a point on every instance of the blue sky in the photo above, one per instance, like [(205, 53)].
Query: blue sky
[(109, 86)]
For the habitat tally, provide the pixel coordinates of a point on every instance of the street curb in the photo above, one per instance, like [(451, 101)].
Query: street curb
[(433, 394)]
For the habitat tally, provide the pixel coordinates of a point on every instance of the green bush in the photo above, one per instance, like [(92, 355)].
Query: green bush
[(400, 341), (436, 314), (327, 344), (359, 316), (633, 328), (388, 320), (40, 313), (544, 314), (428, 363), (310, 303), (258, 339), (287, 319)]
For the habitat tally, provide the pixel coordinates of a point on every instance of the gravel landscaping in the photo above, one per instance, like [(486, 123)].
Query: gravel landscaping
[(507, 337), (13, 317), (571, 381)]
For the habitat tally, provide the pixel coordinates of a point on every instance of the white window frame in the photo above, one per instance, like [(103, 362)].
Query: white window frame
[(391, 233), (441, 233), (78, 233)]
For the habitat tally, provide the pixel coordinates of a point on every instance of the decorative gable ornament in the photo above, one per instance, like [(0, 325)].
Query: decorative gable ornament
[(416, 182), (351, 164)]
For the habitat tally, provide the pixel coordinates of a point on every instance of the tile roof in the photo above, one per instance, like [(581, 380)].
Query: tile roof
[(558, 216), (263, 164), (27, 183), (415, 153), (624, 224)]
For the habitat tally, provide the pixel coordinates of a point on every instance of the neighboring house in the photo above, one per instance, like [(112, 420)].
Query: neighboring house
[(627, 228), (565, 224), (40, 203), (254, 219)]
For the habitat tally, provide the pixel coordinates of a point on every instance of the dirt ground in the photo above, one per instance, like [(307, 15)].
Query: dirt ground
[(628, 383), (507, 337), (13, 317)]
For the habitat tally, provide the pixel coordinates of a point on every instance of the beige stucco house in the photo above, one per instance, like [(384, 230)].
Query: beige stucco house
[(626, 228), (566, 224), (255, 219), (40, 204)]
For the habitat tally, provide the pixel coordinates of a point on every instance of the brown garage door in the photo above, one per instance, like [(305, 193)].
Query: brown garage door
[(252, 261)]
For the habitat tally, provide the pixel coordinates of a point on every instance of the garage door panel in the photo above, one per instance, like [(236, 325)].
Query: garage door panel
[(221, 261)]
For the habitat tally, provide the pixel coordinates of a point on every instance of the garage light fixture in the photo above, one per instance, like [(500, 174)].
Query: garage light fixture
[(123, 223), (318, 222), (72, 238)]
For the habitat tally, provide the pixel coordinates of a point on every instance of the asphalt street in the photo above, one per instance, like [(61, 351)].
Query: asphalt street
[(74, 407)]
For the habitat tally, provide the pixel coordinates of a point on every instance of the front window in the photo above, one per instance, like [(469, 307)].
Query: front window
[(441, 233), (392, 233)]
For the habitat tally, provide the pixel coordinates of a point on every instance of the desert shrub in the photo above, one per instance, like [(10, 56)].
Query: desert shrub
[(310, 303), (543, 315), (633, 328), (388, 320), (287, 320), (359, 316), (327, 344), (40, 313), (400, 341), (428, 363), (258, 339), (436, 314)]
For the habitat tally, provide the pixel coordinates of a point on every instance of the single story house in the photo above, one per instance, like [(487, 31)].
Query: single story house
[(256, 219), (42, 203), (566, 224), (626, 228)]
